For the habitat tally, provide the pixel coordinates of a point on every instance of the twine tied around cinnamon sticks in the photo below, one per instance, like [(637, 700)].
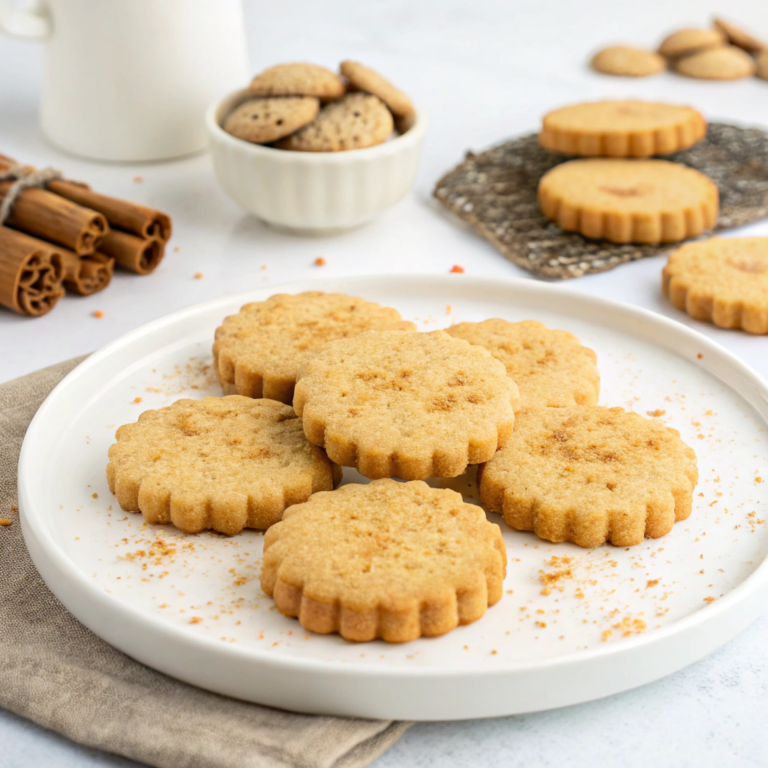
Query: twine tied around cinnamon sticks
[(23, 177)]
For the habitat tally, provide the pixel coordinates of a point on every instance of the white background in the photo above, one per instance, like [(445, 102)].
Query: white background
[(483, 71)]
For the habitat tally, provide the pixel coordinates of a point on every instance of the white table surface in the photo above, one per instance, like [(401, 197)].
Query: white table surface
[(483, 71)]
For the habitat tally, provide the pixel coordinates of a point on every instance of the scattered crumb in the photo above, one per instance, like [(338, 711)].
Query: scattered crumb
[(758, 479), (553, 580), (138, 179), (710, 599), (456, 268), (494, 652), (658, 412), (198, 275), (607, 635), (136, 400), (176, 249), (94, 495), (5, 521), (263, 267), (699, 355), (195, 620), (448, 309), (98, 314), (319, 261), (651, 583)]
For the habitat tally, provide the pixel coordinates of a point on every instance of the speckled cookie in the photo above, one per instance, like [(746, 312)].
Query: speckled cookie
[(726, 63), (225, 463), (591, 475), (629, 201), (362, 78), (625, 61), (739, 37), (357, 121), (621, 129), (551, 368), (722, 280), (258, 351), (388, 560), (262, 121), (298, 80), (687, 41), (409, 405)]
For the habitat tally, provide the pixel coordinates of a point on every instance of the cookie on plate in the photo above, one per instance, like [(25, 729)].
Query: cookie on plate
[(224, 463), (722, 280), (739, 37), (629, 201), (591, 475), (388, 560), (357, 121), (625, 61), (258, 351), (726, 63), (687, 41), (621, 129), (362, 78), (262, 121), (409, 405), (298, 79), (551, 368)]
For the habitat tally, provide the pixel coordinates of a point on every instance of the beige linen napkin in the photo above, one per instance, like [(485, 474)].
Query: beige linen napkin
[(57, 673)]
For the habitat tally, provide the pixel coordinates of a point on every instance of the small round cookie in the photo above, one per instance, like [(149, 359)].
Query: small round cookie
[(621, 129), (687, 41), (762, 65), (550, 368), (629, 201), (298, 80), (726, 63), (722, 280), (409, 405), (625, 61), (739, 37), (388, 560), (357, 121), (258, 351), (225, 463), (591, 475), (362, 78), (262, 121)]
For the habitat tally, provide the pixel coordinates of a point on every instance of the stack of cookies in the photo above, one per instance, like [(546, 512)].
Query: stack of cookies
[(308, 108), (398, 560)]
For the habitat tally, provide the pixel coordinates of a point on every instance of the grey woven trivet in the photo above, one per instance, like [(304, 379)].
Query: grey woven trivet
[(495, 192)]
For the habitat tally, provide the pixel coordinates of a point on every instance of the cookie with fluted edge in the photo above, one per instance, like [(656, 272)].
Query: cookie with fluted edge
[(739, 37), (551, 368), (629, 201), (687, 41), (298, 79), (726, 63), (387, 560), (258, 351), (357, 121), (262, 121), (409, 405), (621, 129), (590, 475), (362, 78), (722, 280), (626, 61), (221, 463)]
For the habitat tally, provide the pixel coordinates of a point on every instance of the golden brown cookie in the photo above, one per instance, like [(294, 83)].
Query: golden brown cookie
[(762, 65), (726, 63), (225, 463), (265, 120), (550, 368), (722, 280), (621, 129), (629, 201), (591, 475), (362, 78), (687, 41), (739, 37), (387, 560), (410, 405), (625, 61), (357, 121), (404, 123), (298, 80), (258, 351)]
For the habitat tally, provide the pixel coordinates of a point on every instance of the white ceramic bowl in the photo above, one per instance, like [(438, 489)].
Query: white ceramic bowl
[(312, 192)]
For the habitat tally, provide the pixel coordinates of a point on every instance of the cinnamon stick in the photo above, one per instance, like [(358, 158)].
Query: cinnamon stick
[(140, 255), (31, 273), (86, 274)]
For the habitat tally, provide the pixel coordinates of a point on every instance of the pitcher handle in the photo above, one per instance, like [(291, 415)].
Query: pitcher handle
[(31, 21)]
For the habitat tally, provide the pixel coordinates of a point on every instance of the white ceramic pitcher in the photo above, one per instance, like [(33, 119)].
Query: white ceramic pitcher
[(129, 80)]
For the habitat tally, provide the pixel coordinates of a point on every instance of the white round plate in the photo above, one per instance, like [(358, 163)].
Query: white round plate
[(616, 618)]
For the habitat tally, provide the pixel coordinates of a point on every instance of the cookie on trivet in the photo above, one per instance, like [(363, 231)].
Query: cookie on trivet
[(298, 80), (629, 201), (388, 560), (357, 121), (625, 61), (410, 405), (686, 41), (591, 475), (726, 63), (265, 120), (550, 368), (362, 78), (621, 129), (225, 463), (721, 280), (762, 65), (258, 351), (739, 37)]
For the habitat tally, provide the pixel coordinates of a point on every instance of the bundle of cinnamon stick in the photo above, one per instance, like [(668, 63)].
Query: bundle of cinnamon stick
[(64, 236)]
